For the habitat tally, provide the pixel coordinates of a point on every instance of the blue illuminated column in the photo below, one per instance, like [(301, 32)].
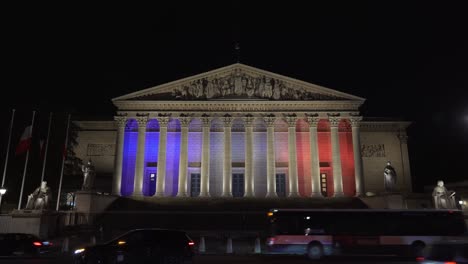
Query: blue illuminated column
[(336, 157), (140, 158), (249, 177), (358, 175), (293, 180), (161, 173), (227, 165), (205, 158), (183, 160), (314, 156), (117, 180), (271, 163)]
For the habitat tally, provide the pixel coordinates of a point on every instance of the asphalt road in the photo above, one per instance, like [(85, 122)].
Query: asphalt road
[(228, 259)]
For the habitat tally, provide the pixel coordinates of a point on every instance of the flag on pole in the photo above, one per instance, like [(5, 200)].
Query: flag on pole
[(25, 141)]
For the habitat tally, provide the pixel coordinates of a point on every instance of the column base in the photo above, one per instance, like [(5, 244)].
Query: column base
[(204, 195), (226, 195), (249, 195), (271, 195), (316, 195), (159, 195), (359, 195), (338, 194), (182, 195), (294, 195)]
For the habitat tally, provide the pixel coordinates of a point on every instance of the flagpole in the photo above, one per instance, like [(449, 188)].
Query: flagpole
[(26, 164), (63, 164), (46, 148), (7, 153)]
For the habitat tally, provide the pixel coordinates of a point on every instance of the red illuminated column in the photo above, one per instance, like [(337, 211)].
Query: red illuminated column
[(140, 158), (249, 177), (205, 158), (117, 179), (161, 172), (183, 156), (358, 173), (314, 156), (227, 163), (336, 157), (293, 180), (271, 164)]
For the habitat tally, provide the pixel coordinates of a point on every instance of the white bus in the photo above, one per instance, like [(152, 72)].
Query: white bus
[(317, 232)]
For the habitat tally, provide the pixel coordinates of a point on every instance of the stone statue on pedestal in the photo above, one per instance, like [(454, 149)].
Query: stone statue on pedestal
[(88, 176), (39, 199), (389, 178), (443, 199)]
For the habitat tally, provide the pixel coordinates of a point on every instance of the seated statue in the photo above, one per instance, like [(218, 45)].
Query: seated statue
[(443, 199), (88, 176), (40, 198)]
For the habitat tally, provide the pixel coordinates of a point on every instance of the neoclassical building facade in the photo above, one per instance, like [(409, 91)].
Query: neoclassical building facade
[(239, 131)]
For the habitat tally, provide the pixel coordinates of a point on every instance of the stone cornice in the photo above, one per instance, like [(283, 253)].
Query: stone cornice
[(384, 126), (238, 106)]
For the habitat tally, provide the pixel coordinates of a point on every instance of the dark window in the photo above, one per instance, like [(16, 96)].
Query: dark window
[(281, 184), (195, 184), (237, 185)]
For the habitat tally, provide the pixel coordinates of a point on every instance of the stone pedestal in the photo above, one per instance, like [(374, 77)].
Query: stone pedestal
[(41, 223), (395, 201), (89, 203)]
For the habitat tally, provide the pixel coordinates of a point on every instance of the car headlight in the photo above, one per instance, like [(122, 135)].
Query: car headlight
[(79, 251)]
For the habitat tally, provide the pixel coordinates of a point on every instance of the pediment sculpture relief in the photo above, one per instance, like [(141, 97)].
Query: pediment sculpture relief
[(242, 85)]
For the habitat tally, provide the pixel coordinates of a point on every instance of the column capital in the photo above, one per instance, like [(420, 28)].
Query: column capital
[(355, 121), (270, 120), (184, 121), (313, 121), (248, 120), (291, 120), (227, 120), (334, 120), (206, 120), (142, 120), (403, 138), (120, 120), (163, 121)]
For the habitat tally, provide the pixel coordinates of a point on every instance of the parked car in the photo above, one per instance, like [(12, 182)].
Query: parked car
[(140, 246), (23, 245)]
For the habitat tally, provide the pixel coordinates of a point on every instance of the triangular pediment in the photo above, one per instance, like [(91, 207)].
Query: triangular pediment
[(238, 82)]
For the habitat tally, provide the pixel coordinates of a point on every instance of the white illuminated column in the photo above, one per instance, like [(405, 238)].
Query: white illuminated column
[(293, 180), (271, 163), (314, 157), (183, 160), (161, 171), (205, 159), (227, 164), (140, 158), (117, 180), (336, 157), (249, 177), (358, 173)]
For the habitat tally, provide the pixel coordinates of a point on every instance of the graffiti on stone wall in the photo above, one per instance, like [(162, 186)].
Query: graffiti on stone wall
[(101, 150), (373, 150)]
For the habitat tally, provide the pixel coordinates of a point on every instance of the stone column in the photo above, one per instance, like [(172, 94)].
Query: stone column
[(117, 180), (293, 180), (140, 158), (227, 164), (271, 162), (314, 157), (161, 172), (336, 157), (249, 177), (358, 173), (183, 158), (205, 158), (405, 162)]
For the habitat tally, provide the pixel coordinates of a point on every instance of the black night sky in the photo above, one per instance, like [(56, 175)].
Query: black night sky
[(409, 60)]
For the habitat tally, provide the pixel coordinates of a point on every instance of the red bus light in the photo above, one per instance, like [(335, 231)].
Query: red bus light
[(191, 243), (37, 244)]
